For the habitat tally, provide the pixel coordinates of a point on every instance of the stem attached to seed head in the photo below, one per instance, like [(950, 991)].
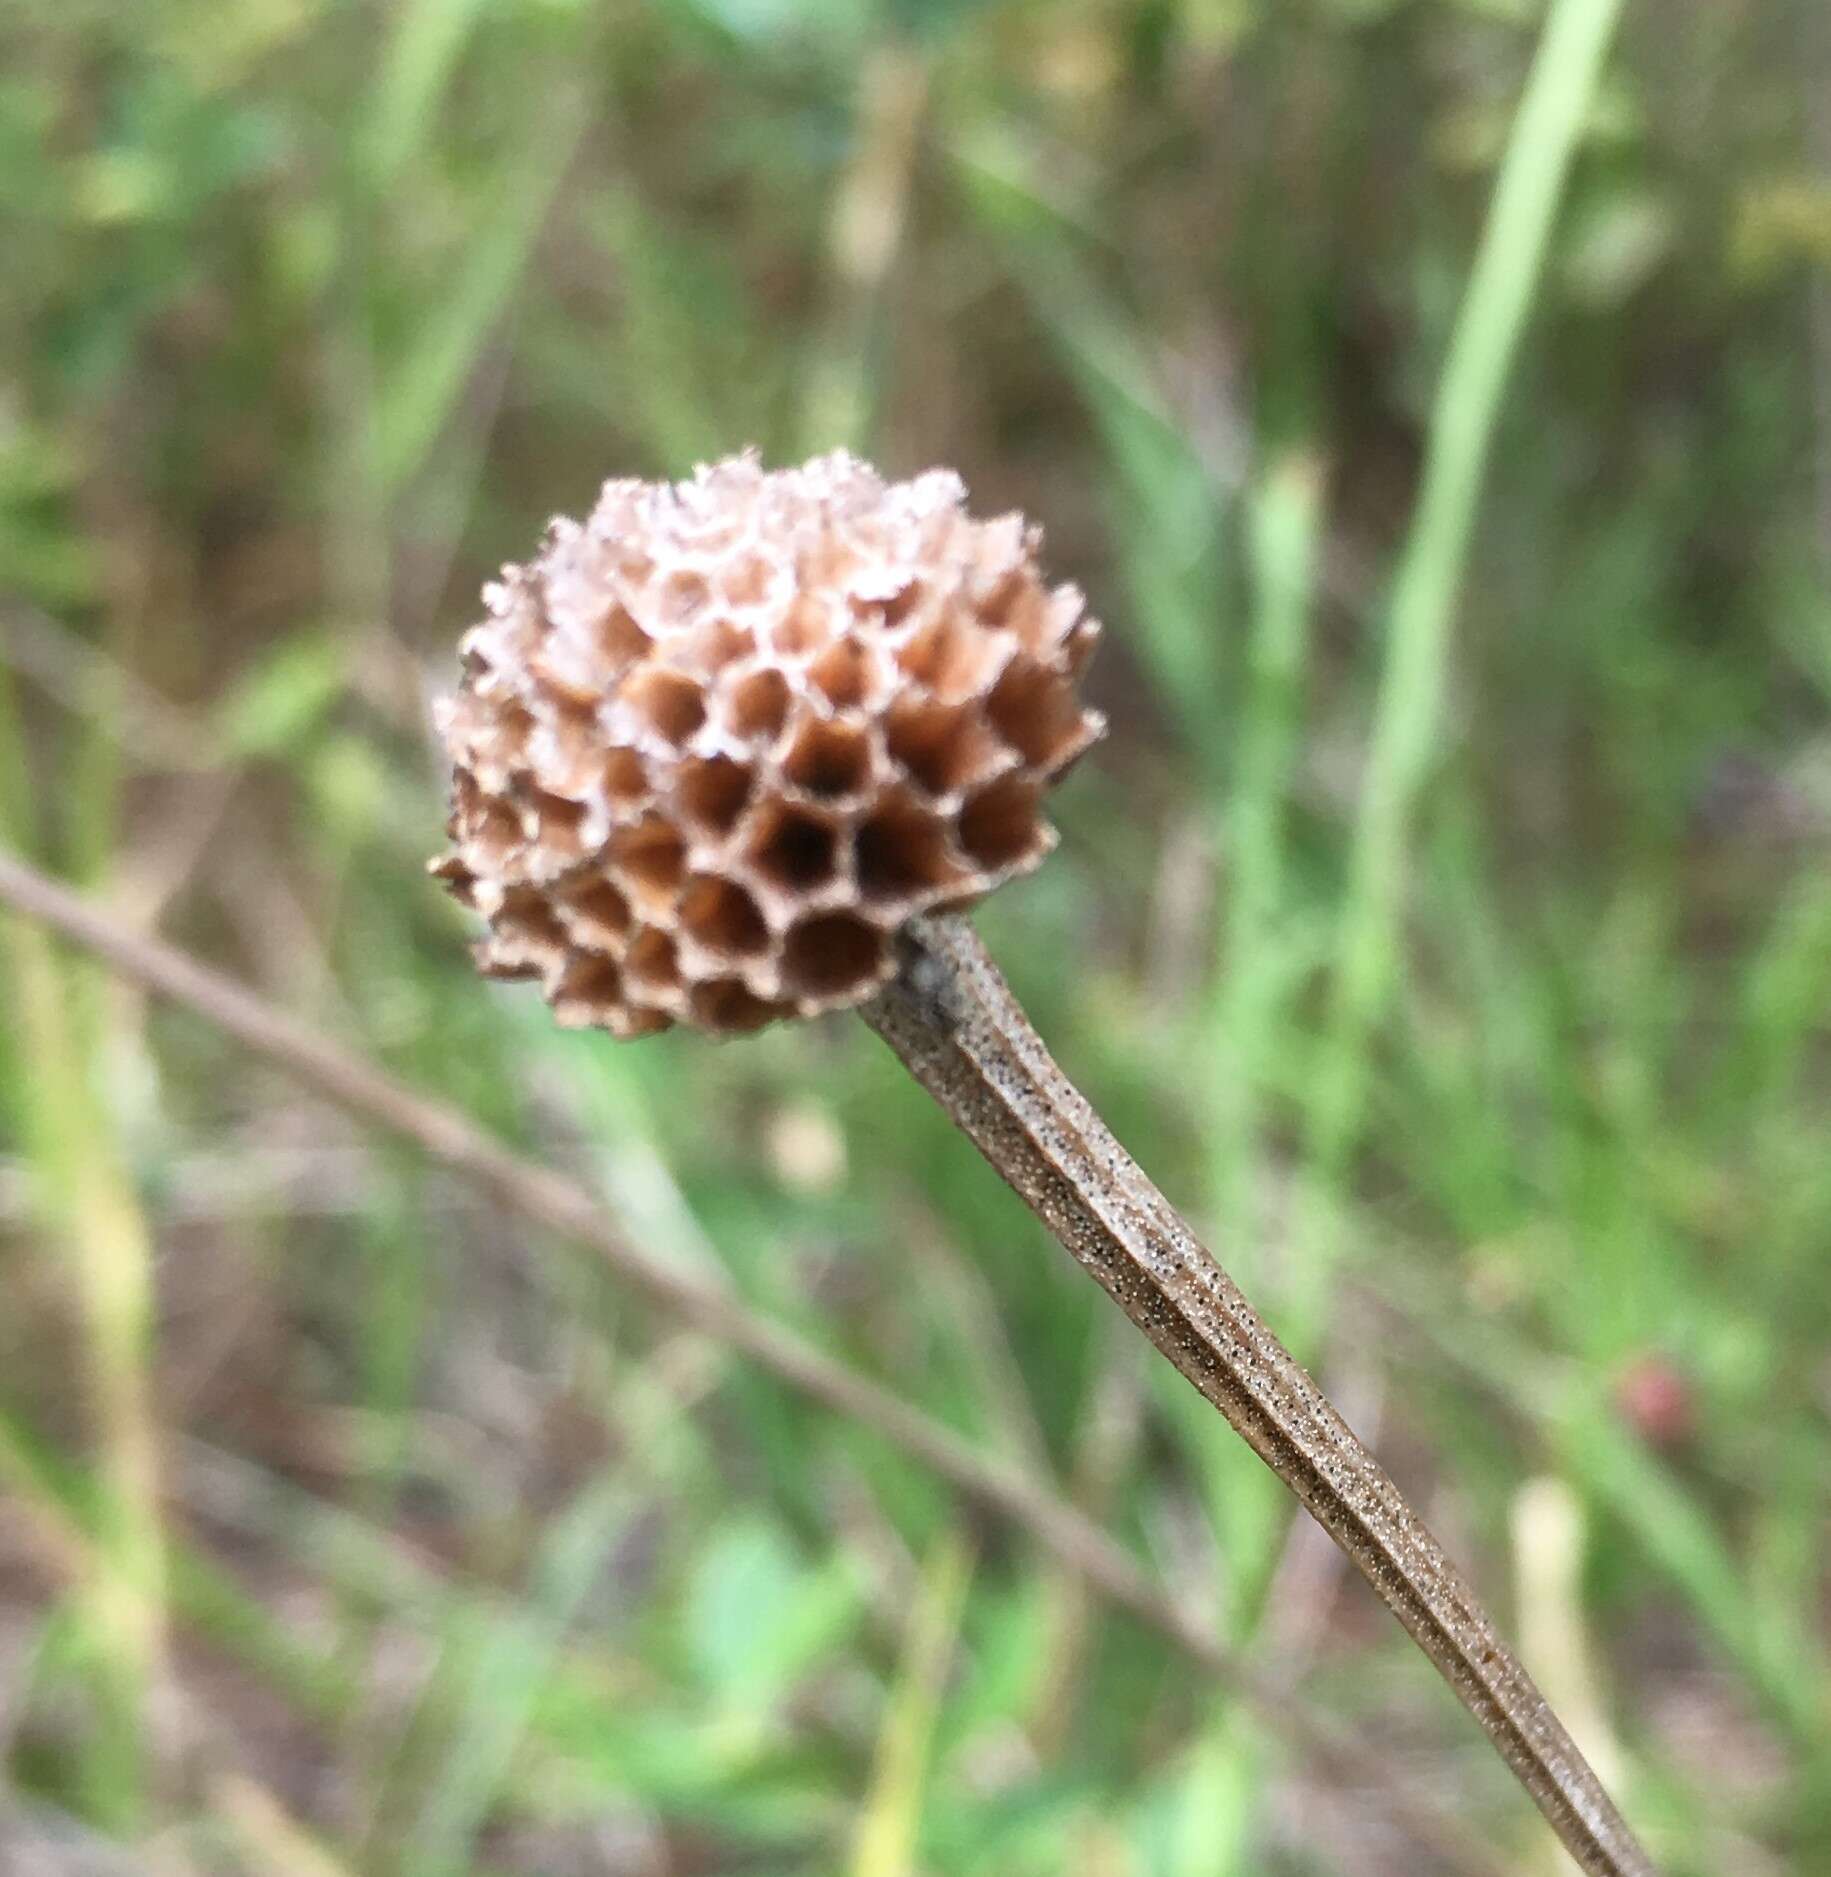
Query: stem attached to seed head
[(951, 1018)]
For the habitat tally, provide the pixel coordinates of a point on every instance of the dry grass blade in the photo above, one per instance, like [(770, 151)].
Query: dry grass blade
[(564, 1206)]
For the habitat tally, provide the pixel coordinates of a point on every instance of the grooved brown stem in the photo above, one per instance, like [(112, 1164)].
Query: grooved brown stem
[(952, 1019)]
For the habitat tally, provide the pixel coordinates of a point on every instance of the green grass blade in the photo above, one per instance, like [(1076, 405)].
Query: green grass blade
[(418, 399), (891, 1819), (1283, 520), (428, 41), (1501, 291)]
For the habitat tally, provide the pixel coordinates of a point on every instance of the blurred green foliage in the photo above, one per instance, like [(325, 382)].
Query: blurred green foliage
[(1490, 1048)]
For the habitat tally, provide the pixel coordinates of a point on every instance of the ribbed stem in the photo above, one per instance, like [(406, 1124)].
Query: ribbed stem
[(952, 1019)]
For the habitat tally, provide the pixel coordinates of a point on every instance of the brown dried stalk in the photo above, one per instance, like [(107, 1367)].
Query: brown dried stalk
[(951, 1018)]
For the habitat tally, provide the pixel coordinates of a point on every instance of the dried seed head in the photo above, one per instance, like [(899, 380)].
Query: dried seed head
[(712, 747)]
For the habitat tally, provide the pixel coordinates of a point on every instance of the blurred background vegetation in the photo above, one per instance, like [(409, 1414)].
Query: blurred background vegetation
[(1445, 923)]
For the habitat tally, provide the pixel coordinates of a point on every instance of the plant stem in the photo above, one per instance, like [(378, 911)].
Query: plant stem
[(953, 1021)]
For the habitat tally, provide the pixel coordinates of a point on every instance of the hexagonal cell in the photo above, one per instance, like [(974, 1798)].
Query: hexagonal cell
[(525, 940), (650, 858), (498, 750), (758, 703), (508, 733), (944, 747), (681, 597), (595, 913), (711, 793), (999, 827), (828, 759), (622, 641), (832, 955), (793, 849), (746, 582), (1036, 711), (848, 674), (727, 1004), (560, 842), (953, 658), (587, 991), (495, 831), (803, 629), (572, 750), (652, 961), (625, 776), (716, 644), (826, 563), (670, 703), (903, 853), (720, 917), (525, 912)]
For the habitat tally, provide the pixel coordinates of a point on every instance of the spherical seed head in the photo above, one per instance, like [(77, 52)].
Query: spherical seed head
[(715, 744)]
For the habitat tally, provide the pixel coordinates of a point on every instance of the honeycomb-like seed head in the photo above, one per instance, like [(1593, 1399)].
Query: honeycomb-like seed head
[(715, 744)]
